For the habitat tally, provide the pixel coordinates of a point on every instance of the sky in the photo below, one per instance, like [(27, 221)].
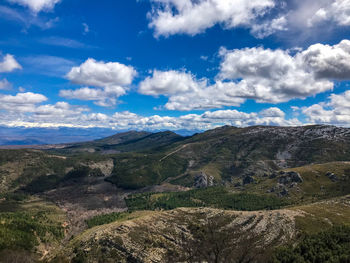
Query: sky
[(174, 64)]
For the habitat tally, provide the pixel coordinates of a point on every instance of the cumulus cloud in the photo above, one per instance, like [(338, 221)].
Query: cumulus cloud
[(271, 76), (185, 92), (8, 63), (26, 109), (337, 11), (37, 6), (102, 97), (169, 83), (110, 79), (21, 102), (207, 120), (169, 17), (336, 111), (325, 61), (101, 74), (263, 75), (60, 112)]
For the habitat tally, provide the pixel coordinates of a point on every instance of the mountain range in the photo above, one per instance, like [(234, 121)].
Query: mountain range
[(104, 200)]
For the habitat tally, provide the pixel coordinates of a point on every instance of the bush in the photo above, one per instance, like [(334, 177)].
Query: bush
[(218, 197), (105, 219), (329, 246)]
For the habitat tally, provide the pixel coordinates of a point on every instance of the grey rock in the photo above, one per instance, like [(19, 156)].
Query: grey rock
[(332, 176), (202, 180), (284, 192), (248, 180), (290, 177)]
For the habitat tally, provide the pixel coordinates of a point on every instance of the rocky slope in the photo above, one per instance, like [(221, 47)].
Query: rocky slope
[(183, 232)]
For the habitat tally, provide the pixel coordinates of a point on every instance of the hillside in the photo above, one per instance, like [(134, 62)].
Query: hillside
[(174, 235), (134, 187), (228, 153)]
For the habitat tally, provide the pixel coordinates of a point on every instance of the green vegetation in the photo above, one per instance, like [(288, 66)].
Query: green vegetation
[(134, 171), (78, 172), (10, 197), (24, 230), (47, 182), (105, 219), (218, 197), (42, 183), (330, 246)]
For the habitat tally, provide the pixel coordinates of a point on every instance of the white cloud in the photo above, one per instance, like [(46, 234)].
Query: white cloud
[(103, 97), (274, 76), (272, 112), (207, 120), (336, 111), (64, 42), (21, 102), (22, 17), (263, 75), (23, 109), (269, 27), (325, 61), (37, 5), (61, 111), (185, 92), (5, 85), (9, 63), (101, 74), (111, 80), (86, 28), (337, 11), (170, 83), (169, 17)]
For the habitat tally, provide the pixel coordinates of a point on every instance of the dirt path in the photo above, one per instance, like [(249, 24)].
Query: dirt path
[(169, 154)]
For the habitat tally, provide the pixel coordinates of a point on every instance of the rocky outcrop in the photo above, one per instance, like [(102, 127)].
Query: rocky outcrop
[(106, 167), (202, 180), (290, 177), (286, 180), (151, 237), (280, 190), (332, 176)]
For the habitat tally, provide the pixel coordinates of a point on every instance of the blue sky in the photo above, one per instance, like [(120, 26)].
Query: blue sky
[(174, 64)]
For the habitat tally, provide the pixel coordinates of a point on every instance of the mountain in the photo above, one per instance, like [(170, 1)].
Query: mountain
[(125, 142), (35, 136), (228, 154), (155, 197)]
